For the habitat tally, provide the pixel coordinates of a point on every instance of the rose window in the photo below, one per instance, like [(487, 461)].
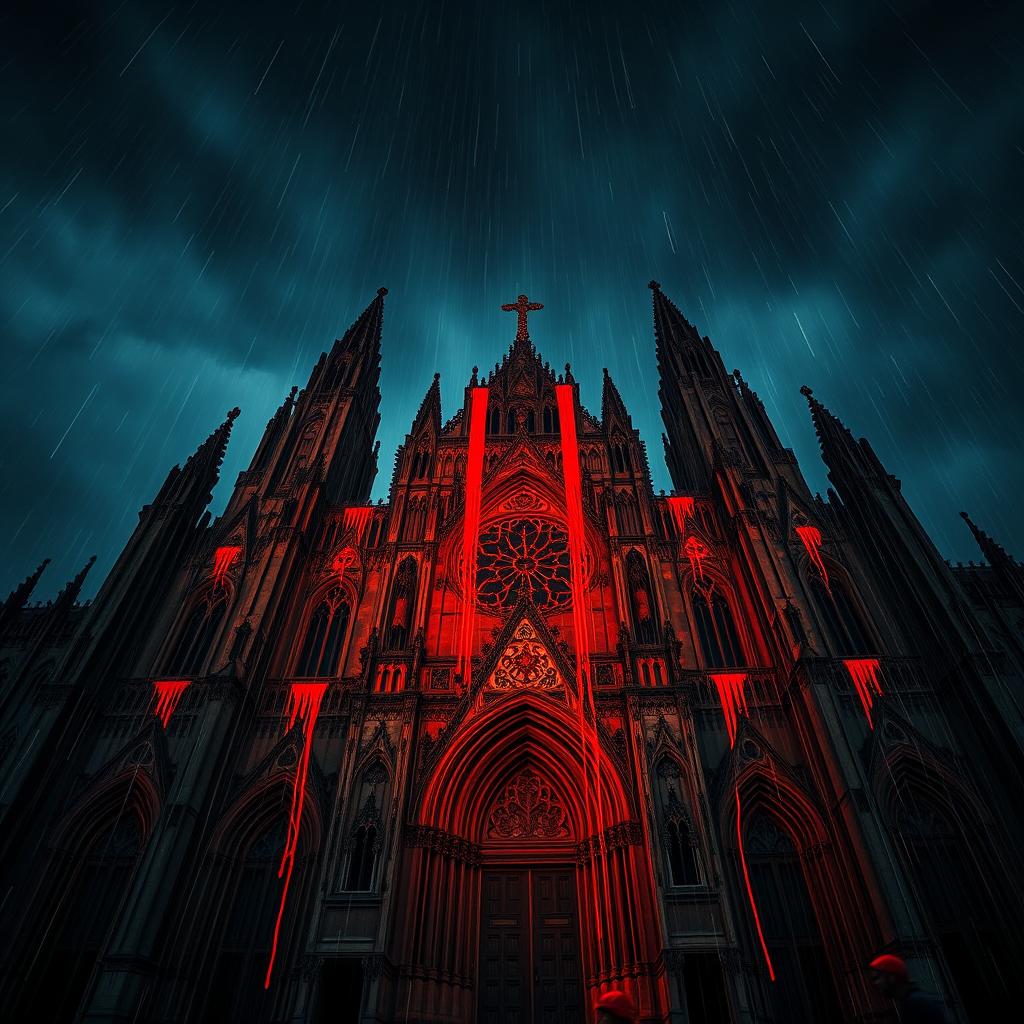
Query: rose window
[(523, 558)]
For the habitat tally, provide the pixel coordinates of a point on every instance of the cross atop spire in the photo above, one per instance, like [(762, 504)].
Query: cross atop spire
[(522, 306)]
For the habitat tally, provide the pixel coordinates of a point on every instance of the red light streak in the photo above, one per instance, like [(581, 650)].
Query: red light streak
[(750, 890), (471, 526), (734, 700), (303, 702), (681, 509), (590, 743), (223, 559), (357, 518), (864, 673), (168, 696), (810, 537)]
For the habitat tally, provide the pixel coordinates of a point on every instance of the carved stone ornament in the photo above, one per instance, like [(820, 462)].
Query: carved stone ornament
[(528, 809), (525, 663)]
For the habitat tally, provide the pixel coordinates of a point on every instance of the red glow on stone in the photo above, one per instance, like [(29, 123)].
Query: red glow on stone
[(810, 537), (303, 702), (750, 890), (730, 686), (698, 553), (223, 559), (590, 742), (168, 696), (341, 563), (864, 673), (471, 526), (357, 518), (681, 509)]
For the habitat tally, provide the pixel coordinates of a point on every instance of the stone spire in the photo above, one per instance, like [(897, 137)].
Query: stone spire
[(201, 471), (19, 596)]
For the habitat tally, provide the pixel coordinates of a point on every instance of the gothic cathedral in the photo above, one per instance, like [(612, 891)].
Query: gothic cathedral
[(524, 733)]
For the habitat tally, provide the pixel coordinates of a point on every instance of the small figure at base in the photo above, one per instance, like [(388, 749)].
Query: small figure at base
[(890, 976), (615, 1007)]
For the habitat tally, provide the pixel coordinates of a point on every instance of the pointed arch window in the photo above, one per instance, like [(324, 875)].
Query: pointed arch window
[(627, 515), (403, 595), (197, 636), (641, 599), (494, 422), (510, 422), (59, 975), (531, 422), (325, 637), (246, 931), (941, 849), (364, 844), (548, 423), (842, 620), (804, 991), (716, 631), (680, 843), (683, 862)]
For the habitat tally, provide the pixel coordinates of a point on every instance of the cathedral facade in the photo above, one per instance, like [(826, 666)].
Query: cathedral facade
[(523, 733)]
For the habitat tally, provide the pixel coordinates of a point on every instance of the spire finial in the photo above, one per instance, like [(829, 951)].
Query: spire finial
[(654, 286), (233, 414), (382, 292), (806, 392)]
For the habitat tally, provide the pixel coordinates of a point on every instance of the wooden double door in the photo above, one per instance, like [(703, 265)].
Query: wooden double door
[(529, 947)]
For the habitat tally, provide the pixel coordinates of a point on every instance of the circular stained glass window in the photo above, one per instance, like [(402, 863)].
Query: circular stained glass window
[(523, 557)]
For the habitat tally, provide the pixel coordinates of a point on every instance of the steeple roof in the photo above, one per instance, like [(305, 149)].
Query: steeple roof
[(359, 344), (612, 406), (69, 595), (837, 444), (430, 408), (995, 553), (201, 471), (678, 343), (19, 596)]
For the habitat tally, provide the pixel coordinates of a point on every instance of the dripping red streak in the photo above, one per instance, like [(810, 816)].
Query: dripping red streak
[(223, 559), (734, 699), (303, 702), (810, 537), (577, 557), (471, 526), (356, 518), (168, 695), (864, 673), (681, 509), (750, 889)]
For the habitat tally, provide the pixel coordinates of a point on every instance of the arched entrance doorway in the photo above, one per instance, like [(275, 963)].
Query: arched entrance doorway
[(529, 965), (506, 905)]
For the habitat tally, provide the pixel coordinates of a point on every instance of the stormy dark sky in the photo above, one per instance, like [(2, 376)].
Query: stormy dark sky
[(196, 200)]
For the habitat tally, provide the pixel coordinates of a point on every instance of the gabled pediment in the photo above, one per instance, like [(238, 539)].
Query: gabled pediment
[(525, 663), (525, 655)]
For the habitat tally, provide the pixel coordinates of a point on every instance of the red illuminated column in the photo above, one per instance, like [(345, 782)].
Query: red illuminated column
[(589, 741), (303, 703), (471, 526)]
